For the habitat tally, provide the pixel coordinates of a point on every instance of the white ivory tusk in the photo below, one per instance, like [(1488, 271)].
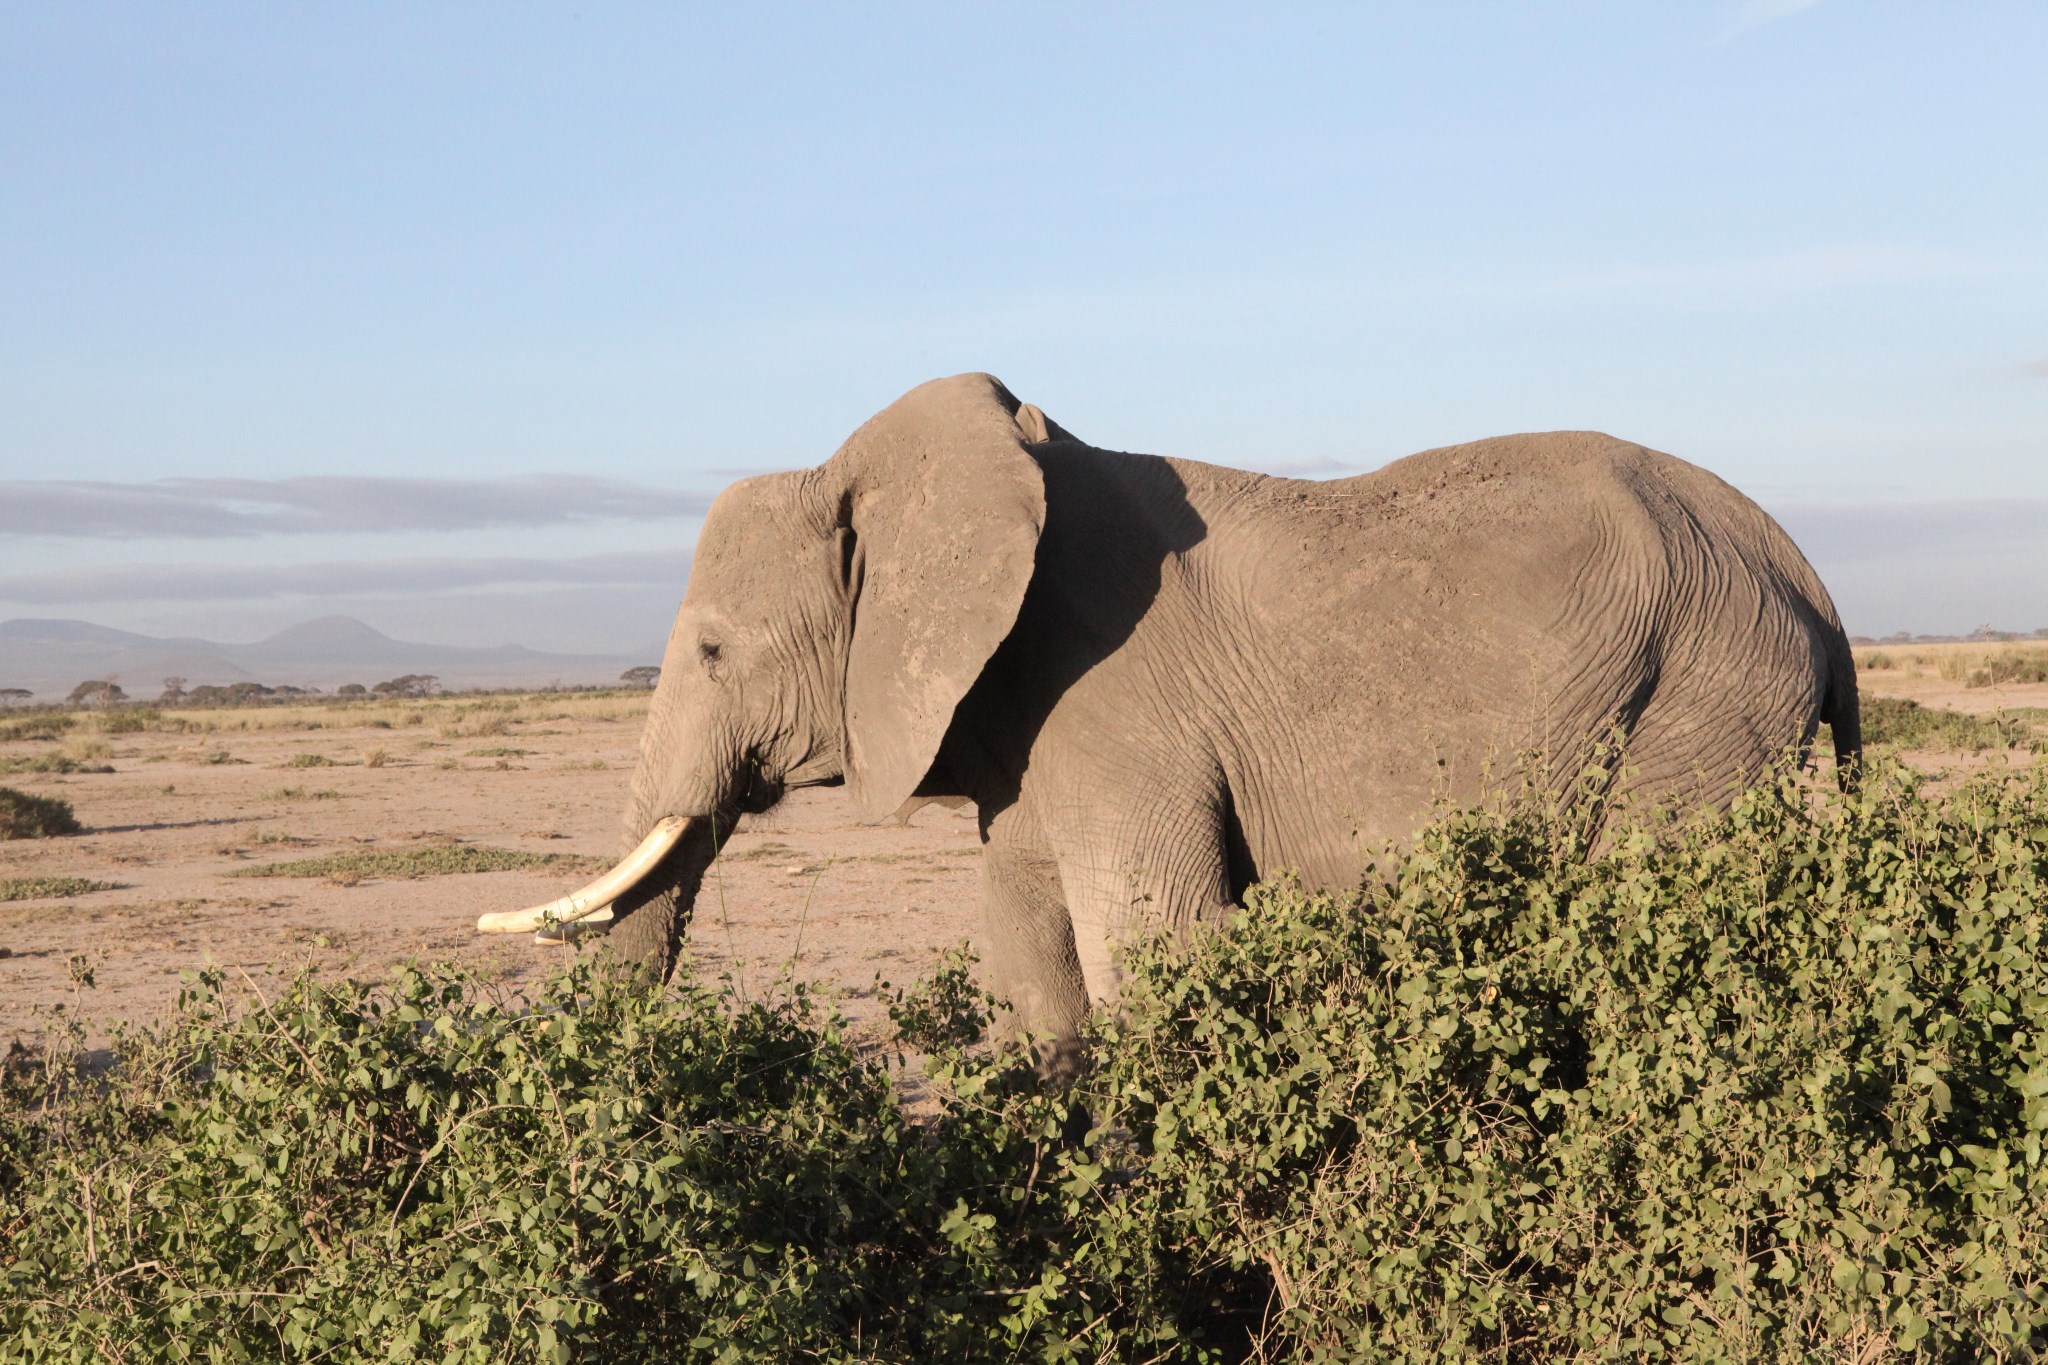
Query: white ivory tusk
[(600, 893), (598, 921)]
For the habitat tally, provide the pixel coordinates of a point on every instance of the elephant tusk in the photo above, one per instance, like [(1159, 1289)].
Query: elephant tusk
[(631, 870)]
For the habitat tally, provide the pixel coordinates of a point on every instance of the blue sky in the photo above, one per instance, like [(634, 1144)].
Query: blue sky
[(450, 316)]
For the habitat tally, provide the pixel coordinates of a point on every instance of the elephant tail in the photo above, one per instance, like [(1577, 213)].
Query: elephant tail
[(1842, 710)]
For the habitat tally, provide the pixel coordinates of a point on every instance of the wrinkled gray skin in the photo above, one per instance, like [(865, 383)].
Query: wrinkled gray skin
[(1160, 681)]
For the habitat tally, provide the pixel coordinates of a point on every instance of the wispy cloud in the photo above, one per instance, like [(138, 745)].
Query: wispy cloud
[(2038, 368), (216, 508), (340, 578), (1924, 529), (1843, 264), (1942, 567)]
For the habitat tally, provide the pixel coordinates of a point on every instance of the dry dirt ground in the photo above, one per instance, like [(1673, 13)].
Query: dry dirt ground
[(803, 890), (186, 818)]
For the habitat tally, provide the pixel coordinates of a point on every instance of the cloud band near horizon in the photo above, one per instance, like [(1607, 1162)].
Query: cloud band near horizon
[(1946, 566), (340, 578), (206, 509)]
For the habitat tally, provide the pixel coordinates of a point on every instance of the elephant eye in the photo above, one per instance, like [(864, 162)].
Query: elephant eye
[(709, 652)]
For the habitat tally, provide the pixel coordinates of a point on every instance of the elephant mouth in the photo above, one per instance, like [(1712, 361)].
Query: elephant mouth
[(593, 902)]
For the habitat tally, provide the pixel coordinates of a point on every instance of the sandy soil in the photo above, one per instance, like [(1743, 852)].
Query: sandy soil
[(802, 890)]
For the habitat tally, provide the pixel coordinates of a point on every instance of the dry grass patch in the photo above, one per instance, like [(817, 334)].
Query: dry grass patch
[(475, 727), (1962, 662), (300, 794), (50, 888), (46, 727), (432, 860), (49, 763)]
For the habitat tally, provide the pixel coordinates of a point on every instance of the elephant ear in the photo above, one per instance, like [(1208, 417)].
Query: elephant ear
[(946, 507)]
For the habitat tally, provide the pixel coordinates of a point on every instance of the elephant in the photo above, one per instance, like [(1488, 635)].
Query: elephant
[(1159, 681)]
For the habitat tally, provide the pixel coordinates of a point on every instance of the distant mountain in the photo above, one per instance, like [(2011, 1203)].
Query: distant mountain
[(51, 657)]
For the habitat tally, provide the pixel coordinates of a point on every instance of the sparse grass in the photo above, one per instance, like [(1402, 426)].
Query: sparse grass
[(375, 758), (309, 761), (761, 853), (377, 713), (500, 752), (217, 757), (35, 727), (50, 888), (49, 763), (594, 765), (299, 794), (1955, 662), (276, 836), (127, 720), (1906, 724), (23, 816), (475, 727), (431, 860), (88, 750)]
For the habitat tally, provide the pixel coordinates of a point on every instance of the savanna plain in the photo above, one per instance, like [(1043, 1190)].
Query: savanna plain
[(1776, 1088), (352, 837)]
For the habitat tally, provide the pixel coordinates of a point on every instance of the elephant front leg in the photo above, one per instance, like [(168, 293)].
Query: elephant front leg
[(1027, 940)]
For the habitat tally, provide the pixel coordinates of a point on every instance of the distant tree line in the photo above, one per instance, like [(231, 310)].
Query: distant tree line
[(177, 692)]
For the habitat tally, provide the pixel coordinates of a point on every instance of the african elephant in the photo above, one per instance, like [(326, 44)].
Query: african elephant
[(1159, 680)]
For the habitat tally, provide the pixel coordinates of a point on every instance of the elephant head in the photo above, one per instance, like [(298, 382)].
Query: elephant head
[(833, 620)]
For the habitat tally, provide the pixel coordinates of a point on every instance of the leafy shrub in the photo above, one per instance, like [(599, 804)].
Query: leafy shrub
[(1769, 1087), (416, 1173), (1775, 1087), (23, 816)]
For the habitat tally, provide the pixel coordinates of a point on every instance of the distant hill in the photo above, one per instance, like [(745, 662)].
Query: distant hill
[(51, 657)]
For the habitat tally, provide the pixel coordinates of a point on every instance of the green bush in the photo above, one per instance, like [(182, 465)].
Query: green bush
[(1770, 1087), (23, 816), (1775, 1088), (413, 1172)]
